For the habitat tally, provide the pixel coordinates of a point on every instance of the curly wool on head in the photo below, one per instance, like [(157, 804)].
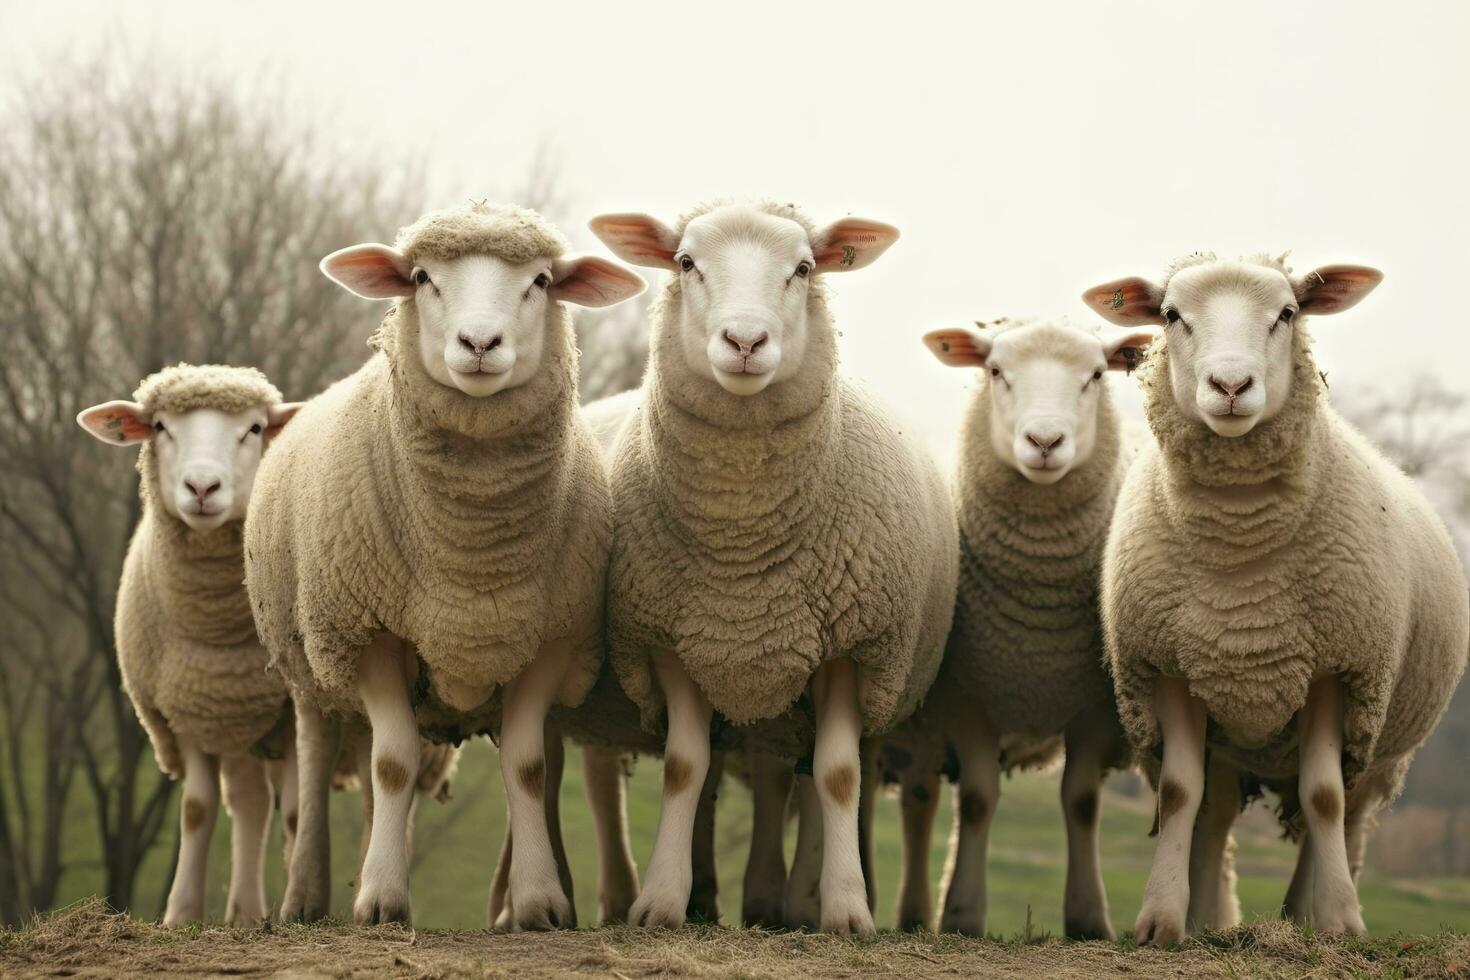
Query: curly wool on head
[(222, 387), (505, 231)]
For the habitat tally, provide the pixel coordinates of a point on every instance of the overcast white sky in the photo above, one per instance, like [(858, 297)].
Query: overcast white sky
[(1026, 150)]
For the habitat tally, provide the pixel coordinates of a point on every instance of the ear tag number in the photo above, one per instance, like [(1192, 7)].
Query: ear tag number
[(849, 255), (1117, 303)]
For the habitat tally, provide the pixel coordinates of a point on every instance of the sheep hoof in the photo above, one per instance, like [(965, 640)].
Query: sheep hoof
[(1158, 926), (379, 906), (301, 905), (845, 912), (658, 908), (542, 910), (762, 912), (1084, 928), (965, 921), (1339, 922)]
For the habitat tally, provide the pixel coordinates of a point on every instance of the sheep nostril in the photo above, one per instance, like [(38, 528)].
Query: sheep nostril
[(746, 347), (1232, 389), (480, 348), (200, 490), (1044, 443), (468, 344), (494, 343)]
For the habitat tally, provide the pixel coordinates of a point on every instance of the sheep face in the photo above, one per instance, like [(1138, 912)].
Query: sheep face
[(1045, 384), (1229, 327), (745, 277), (205, 459), (482, 319)]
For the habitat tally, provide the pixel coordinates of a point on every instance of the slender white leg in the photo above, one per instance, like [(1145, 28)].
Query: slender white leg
[(248, 800), (1090, 740), (918, 802), (978, 792), (309, 885), (362, 749), (556, 762), (197, 813), (803, 887), (1334, 896), (617, 876), (382, 683), (867, 811), (536, 895), (704, 891), (765, 867), (499, 914), (1298, 904), (837, 771), (670, 877), (1161, 921), (285, 779), (1212, 903)]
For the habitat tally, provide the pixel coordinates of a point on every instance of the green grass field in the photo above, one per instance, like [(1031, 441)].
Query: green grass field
[(457, 843)]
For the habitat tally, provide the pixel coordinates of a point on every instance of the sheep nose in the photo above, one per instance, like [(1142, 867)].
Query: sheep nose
[(1045, 440), (480, 346), (201, 488), (1231, 387), (747, 342)]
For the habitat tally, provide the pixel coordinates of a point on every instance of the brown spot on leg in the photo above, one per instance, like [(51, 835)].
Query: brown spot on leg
[(677, 773), (1084, 808), (193, 815), (840, 783), (973, 807), (392, 775), (1326, 802), (532, 775), (1171, 799), (291, 821)]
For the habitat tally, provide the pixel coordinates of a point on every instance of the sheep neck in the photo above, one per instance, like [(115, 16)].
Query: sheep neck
[(198, 578)]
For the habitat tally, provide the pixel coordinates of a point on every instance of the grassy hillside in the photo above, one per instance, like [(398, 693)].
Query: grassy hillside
[(457, 843)]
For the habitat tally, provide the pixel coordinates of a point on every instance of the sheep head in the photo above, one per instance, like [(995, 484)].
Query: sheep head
[(1228, 327), (744, 275), (1044, 388)]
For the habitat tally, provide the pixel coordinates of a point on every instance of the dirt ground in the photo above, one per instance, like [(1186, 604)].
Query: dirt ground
[(88, 941)]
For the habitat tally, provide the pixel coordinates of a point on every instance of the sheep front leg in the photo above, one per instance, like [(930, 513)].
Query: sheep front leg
[(382, 683), (284, 780), (1181, 716), (1334, 896), (1212, 900), (1090, 740), (765, 866), (1297, 906), (537, 900), (918, 802), (309, 885), (617, 876), (837, 771), (666, 890), (498, 915), (704, 892), (978, 749), (803, 898), (197, 814), (248, 800)]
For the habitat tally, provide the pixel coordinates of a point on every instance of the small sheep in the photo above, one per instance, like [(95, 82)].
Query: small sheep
[(1273, 590), (776, 534), (1040, 465), (428, 545), (186, 645)]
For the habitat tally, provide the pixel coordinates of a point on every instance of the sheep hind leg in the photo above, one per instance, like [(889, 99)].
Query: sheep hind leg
[(837, 771), (1297, 907), (762, 903), (605, 781), (382, 682), (309, 884), (537, 898), (248, 801), (197, 814), (1161, 921), (867, 811), (1335, 907), (284, 780), (803, 898), (363, 749), (665, 896), (965, 900), (1212, 901), (918, 802), (556, 760), (499, 911), (1090, 741), (704, 892)]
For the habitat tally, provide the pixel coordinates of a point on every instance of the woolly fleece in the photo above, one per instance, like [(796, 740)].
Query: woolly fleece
[(477, 530), (1252, 565), (186, 644), (758, 537)]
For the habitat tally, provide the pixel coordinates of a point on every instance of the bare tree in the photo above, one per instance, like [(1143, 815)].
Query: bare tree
[(146, 217)]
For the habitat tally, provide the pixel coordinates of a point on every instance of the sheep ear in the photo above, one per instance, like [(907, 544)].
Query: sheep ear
[(590, 281), (637, 238), (119, 423), (277, 417), (1125, 348), (1131, 302), (959, 346), (851, 244), (1334, 288), (371, 271)]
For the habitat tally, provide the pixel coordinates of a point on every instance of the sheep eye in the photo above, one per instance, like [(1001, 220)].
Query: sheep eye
[(686, 263), (255, 429), (1286, 314), (420, 276), (1171, 315), (995, 372), (543, 281), (158, 427), (1096, 375), (803, 269)]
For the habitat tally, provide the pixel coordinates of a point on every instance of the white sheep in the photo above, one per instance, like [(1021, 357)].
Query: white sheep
[(1274, 590), (186, 644), (1039, 468), (428, 545), (775, 534)]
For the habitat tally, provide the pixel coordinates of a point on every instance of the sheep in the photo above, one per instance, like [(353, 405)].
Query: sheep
[(429, 543), (775, 534), (1274, 591), (1040, 464), (186, 645)]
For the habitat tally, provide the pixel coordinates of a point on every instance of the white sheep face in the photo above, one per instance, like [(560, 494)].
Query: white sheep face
[(744, 280), (1045, 384), (206, 459), (1229, 327), (482, 319)]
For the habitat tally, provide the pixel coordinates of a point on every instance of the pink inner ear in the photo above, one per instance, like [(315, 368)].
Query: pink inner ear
[(852, 242), (369, 271), (635, 239), (120, 425), (957, 348)]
